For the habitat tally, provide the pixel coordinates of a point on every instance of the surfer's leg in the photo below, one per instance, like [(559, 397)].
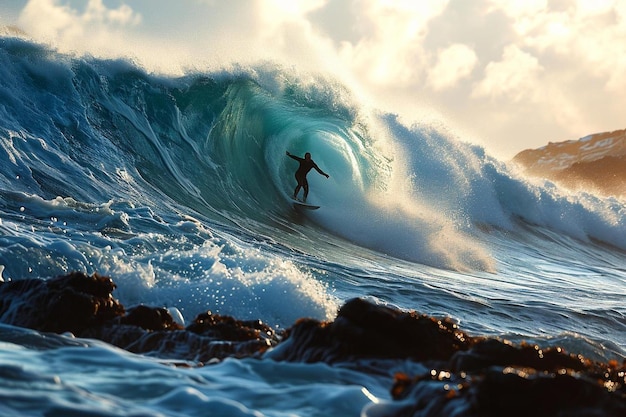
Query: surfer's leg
[(306, 190), (301, 183)]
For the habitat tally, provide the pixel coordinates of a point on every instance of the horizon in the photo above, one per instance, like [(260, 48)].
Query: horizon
[(507, 75)]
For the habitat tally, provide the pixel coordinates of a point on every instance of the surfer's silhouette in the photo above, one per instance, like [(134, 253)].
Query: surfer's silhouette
[(306, 164)]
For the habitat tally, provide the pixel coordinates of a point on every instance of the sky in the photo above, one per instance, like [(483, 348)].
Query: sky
[(506, 74)]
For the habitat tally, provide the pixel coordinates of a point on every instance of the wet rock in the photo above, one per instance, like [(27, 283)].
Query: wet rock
[(507, 391), (366, 330), (524, 392), (69, 303), (208, 338), (486, 353), (149, 318), (467, 377), (84, 306)]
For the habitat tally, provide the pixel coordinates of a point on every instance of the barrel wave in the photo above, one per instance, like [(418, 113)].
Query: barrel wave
[(215, 143)]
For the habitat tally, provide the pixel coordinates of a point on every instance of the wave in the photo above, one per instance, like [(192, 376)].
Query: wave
[(213, 145)]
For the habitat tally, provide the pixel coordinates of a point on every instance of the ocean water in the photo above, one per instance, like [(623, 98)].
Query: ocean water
[(179, 189)]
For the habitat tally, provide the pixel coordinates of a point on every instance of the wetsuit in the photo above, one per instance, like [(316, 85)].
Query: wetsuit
[(305, 166)]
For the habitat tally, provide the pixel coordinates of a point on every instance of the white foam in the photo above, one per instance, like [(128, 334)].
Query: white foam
[(226, 277), (179, 265)]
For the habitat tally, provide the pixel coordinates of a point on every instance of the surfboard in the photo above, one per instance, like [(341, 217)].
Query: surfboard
[(300, 205)]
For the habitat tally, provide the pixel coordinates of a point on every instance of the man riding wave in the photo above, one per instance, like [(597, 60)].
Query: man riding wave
[(306, 164)]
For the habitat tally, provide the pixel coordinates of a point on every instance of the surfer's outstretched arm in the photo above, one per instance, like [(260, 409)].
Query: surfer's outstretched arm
[(294, 157), (320, 171)]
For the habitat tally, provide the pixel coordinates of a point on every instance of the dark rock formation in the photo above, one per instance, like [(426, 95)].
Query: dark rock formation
[(84, 305), (70, 303), (486, 353), (365, 330), (149, 318), (468, 376), (208, 338), (510, 391)]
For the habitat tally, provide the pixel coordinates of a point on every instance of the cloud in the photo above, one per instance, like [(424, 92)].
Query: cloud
[(390, 49), (286, 33), (294, 9), (588, 34), (515, 77), (518, 9), (162, 35), (453, 64), (96, 27), (594, 7), (96, 12)]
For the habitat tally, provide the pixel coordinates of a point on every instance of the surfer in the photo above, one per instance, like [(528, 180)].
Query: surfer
[(306, 164)]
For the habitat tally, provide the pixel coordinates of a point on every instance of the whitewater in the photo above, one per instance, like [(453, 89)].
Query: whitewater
[(179, 189)]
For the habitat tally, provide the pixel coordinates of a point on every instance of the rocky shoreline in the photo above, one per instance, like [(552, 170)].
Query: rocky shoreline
[(595, 163), (467, 375)]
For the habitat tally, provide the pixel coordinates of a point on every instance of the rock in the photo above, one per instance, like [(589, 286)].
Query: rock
[(366, 330), (468, 376), (69, 303), (209, 337), (486, 353), (594, 163), (507, 391), (149, 318), (84, 306)]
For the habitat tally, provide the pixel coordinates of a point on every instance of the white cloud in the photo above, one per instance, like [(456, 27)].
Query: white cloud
[(97, 12), (294, 9), (68, 29), (453, 64), (518, 8), (515, 77), (391, 49), (590, 34), (594, 7), (285, 32)]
